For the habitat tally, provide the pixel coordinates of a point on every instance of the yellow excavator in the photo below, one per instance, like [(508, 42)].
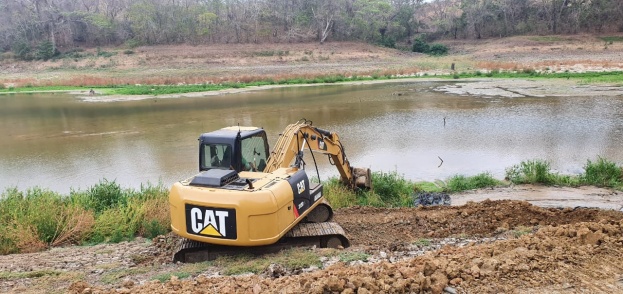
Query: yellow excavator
[(247, 199)]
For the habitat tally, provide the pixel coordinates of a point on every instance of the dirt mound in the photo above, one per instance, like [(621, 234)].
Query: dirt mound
[(575, 257), (382, 227)]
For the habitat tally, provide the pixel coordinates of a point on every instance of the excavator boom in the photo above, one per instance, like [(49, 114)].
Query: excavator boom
[(301, 135)]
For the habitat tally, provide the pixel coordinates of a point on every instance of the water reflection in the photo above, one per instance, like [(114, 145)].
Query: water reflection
[(59, 142)]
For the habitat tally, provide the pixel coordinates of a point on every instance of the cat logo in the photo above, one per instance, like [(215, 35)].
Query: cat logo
[(211, 222), (300, 186)]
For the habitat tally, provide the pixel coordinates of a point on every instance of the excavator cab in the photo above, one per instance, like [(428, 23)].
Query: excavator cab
[(236, 148)]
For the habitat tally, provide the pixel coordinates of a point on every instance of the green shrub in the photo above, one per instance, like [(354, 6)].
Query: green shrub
[(530, 172), (388, 42), (420, 45), (106, 54), (113, 226), (153, 228), (46, 50), (132, 43), (38, 218), (23, 51), (339, 195), (460, 183), (438, 50), (602, 173), (392, 188), (105, 195)]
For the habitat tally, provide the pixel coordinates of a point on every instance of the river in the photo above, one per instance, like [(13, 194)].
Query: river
[(60, 142)]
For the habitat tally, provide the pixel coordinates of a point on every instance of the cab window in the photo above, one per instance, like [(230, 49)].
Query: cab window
[(217, 156), (254, 153)]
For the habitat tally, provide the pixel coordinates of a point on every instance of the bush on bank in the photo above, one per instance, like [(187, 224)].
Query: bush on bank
[(35, 219), (599, 173)]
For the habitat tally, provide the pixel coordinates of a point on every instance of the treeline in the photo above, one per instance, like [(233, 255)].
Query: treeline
[(64, 24)]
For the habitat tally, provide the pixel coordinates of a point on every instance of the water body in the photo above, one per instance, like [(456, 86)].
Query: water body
[(60, 142)]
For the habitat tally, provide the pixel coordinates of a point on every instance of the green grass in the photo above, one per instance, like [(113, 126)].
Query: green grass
[(460, 183), (600, 173), (530, 172), (611, 39), (584, 78), (28, 275), (185, 271), (394, 190), (390, 190), (422, 242), (353, 256), (291, 259), (167, 276), (430, 186), (42, 89)]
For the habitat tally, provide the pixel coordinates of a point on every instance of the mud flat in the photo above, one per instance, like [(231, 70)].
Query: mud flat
[(516, 88), (558, 197)]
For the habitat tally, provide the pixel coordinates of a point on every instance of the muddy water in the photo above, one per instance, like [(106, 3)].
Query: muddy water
[(60, 142)]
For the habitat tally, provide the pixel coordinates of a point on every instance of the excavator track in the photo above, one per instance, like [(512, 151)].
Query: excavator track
[(323, 235)]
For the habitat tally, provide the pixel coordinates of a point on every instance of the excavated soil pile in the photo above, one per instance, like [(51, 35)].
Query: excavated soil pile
[(581, 257), (382, 227), (571, 251)]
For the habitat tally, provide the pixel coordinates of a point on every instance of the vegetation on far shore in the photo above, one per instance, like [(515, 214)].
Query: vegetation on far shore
[(37, 218), (139, 89)]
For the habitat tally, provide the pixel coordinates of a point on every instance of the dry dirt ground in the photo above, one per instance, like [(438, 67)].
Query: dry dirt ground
[(499, 246)]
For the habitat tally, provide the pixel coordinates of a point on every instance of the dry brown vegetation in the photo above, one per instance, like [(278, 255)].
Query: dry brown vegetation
[(168, 64)]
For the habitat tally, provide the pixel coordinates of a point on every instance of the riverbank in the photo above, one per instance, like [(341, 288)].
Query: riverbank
[(37, 219), (246, 63), (469, 85)]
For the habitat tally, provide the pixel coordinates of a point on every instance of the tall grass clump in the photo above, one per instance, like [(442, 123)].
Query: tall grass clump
[(530, 172), (38, 218), (602, 173), (390, 190), (131, 213), (460, 183), (35, 219), (393, 189), (339, 195)]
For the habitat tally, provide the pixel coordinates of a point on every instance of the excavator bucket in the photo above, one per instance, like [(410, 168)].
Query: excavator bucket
[(363, 178)]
